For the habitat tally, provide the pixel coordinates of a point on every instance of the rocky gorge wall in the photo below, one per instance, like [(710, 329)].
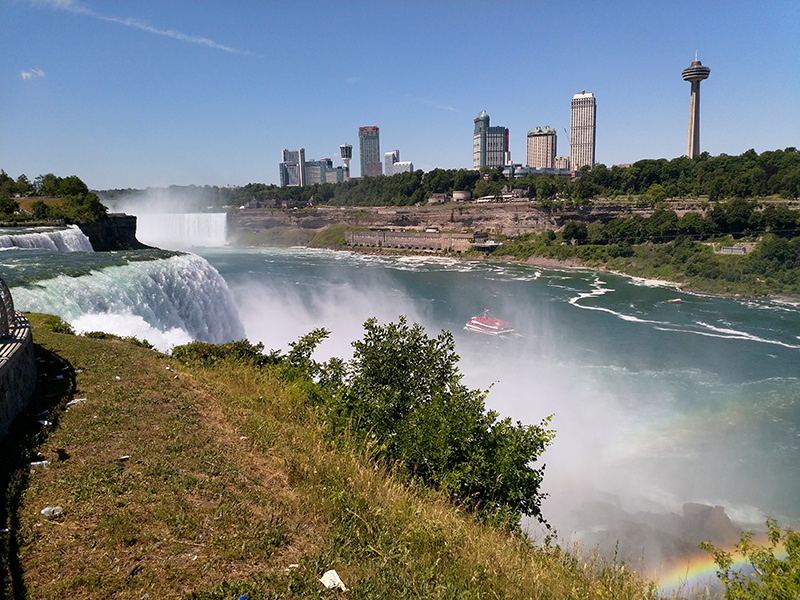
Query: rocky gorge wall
[(117, 232), (506, 219)]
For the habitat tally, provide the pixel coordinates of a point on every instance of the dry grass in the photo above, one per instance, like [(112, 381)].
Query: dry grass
[(230, 481)]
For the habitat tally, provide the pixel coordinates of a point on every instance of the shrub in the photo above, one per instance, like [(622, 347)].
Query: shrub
[(402, 395), (57, 325), (772, 578)]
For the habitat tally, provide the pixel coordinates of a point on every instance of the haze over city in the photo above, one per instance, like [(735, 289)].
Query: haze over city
[(137, 94)]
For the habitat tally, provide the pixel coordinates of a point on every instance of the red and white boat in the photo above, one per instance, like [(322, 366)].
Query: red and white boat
[(489, 325)]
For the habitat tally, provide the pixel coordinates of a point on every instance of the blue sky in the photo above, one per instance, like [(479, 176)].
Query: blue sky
[(153, 93)]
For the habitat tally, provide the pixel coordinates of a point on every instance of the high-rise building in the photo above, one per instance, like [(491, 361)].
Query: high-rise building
[(389, 160), (561, 162), (323, 171), (405, 166), (489, 144), (694, 74), (369, 144), (292, 168), (346, 152), (583, 130), (542, 148)]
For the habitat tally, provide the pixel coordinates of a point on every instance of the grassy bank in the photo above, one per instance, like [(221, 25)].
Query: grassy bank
[(214, 482)]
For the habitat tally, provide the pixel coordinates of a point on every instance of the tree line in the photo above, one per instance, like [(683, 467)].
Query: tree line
[(76, 203), (749, 175)]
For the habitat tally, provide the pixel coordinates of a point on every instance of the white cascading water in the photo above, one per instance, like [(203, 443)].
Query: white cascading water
[(70, 239), (182, 231), (168, 301)]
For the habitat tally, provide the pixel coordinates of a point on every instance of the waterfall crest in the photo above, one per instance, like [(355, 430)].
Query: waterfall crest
[(69, 239), (167, 301), (182, 231)]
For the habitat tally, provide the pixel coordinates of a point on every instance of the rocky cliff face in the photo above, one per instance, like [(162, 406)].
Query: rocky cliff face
[(117, 232), (507, 219)]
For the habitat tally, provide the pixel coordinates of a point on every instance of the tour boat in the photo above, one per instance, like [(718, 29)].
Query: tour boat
[(489, 325)]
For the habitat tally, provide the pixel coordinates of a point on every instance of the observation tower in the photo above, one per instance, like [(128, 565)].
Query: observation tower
[(694, 74), (346, 152)]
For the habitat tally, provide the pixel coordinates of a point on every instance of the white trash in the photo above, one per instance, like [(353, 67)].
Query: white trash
[(45, 423), (331, 580), (40, 463), (76, 401), (52, 511)]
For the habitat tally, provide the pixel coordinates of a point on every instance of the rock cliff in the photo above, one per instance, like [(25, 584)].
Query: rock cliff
[(117, 232)]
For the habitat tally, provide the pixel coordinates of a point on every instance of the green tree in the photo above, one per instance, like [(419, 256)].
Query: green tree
[(656, 193), (773, 578), (8, 207), (402, 394), (575, 230)]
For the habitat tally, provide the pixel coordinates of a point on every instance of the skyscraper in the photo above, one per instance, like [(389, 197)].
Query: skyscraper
[(694, 74), (583, 131), (389, 160), (489, 144), (542, 148), (292, 168), (369, 144)]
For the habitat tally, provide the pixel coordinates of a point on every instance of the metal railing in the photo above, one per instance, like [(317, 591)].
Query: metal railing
[(7, 315)]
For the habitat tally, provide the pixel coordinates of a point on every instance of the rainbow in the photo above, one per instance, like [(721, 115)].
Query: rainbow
[(697, 572), (700, 570)]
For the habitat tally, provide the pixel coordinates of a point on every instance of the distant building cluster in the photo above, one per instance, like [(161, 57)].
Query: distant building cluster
[(295, 170), (490, 144)]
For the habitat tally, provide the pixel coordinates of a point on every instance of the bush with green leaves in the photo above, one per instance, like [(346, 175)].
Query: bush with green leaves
[(772, 577), (205, 354), (403, 397), (58, 325)]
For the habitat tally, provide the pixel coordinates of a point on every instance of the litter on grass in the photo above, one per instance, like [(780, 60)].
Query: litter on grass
[(45, 423), (331, 580), (52, 511), (40, 463), (76, 401)]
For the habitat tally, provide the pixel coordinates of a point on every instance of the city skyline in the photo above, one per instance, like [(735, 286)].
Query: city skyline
[(131, 94)]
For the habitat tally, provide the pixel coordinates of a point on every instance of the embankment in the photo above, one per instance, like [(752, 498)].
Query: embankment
[(518, 218)]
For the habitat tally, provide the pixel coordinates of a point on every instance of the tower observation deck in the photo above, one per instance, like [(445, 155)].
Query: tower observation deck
[(694, 74)]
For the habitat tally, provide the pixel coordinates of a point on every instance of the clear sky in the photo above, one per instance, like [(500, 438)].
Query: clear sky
[(153, 93)]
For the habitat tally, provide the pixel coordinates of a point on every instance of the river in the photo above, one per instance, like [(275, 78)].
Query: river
[(655, 403)]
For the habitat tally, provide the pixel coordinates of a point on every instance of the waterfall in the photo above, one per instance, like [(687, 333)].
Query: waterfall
[(182, 231), (69, 239), (167, 301)]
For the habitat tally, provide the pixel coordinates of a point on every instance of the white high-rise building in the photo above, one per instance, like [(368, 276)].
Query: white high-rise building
[(583, 130), (405, 166), (389, 160), (542, 148)]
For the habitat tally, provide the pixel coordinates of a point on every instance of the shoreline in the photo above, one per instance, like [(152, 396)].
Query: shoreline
[(554, 263)]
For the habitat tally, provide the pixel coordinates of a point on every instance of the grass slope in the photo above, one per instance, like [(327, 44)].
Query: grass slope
[(231, 488)]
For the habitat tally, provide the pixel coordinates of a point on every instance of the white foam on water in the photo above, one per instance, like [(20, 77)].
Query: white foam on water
[(130, 325), (179, 293), (70, 239)]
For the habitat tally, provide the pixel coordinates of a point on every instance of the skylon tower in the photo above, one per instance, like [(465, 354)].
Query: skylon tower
[(694, 74)]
